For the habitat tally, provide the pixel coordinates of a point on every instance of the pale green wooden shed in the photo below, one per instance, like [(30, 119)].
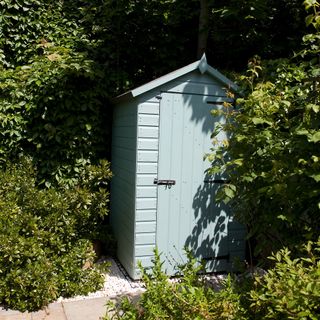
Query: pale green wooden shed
[(161, 194)]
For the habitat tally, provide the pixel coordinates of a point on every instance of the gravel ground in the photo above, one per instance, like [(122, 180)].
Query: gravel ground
[(118, 283)]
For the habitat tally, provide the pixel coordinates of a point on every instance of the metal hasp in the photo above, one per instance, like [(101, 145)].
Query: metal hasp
[(164, 182)]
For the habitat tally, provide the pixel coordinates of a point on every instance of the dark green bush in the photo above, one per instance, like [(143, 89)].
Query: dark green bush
[(44, 248)]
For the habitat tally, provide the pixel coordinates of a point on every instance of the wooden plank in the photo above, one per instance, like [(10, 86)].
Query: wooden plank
[(146, 215), (124, 165), (146, 192), (148, 132), (125, 131), (143, 167), (148, 108), (148, 144), (145, 238), (122, 153), (145, 203), (124, 120), (124, 193), (126, 256), (145, 179), (143, 227), (146, 261), (148, 120), (199, 88), (144, 250), (122, 174), (147, 156), (122, 214), (125, 142)]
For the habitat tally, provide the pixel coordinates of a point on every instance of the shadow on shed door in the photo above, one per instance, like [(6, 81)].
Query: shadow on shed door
[(186, 213)]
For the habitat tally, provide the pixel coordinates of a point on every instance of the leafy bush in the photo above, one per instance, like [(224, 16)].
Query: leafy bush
[(289, 290), (186, 298), (272, 157), (44, 251)]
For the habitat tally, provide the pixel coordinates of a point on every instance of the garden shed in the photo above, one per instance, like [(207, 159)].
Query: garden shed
[(161, 193)]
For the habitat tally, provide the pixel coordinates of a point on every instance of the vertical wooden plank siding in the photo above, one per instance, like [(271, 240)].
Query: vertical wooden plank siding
[(146, 190), (123, 165), (187, 215)]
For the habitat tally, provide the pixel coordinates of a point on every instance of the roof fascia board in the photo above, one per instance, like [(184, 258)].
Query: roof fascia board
[(164, 79), (216, 74), (201, 64)]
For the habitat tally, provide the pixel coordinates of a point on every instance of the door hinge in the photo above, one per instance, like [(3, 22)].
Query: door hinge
[(222, 257), (216, 181)]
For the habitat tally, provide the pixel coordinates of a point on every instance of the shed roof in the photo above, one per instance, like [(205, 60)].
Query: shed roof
[(201, 65)]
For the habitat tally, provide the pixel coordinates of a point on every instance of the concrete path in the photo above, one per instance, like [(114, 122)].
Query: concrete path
[(90, 309)]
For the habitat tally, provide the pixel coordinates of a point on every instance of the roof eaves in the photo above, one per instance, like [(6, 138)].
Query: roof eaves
[(164, 79), (201, 64), (219, 76)]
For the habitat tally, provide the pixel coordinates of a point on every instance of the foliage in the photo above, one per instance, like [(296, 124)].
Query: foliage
[(44, 253), (50, 112), (291, 290), (52, 91), (60, 61), (184, 298), (271, 29), (272, 155)]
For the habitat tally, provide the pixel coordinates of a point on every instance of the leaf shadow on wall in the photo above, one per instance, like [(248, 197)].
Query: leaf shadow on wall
[(209, 237)]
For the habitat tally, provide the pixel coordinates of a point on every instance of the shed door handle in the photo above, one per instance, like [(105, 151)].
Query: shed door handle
[(164, 182)]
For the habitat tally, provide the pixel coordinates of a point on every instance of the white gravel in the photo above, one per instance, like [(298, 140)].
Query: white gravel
[(118, 283)]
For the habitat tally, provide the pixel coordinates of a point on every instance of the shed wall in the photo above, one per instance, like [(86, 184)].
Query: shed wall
[(146, 190), (124, 137)]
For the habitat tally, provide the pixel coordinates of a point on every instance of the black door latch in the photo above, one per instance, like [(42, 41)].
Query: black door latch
[(164, 182)]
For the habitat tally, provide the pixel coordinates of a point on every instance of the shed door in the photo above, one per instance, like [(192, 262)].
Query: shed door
[(186, 213)]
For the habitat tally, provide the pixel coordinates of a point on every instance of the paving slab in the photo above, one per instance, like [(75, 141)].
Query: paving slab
[(54, 311), (90, 309), (14, 315)]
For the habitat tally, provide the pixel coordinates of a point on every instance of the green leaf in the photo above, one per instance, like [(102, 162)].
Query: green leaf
[(316, 177), (314, 137), (313, 107), (229, 192), (256, 121)]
